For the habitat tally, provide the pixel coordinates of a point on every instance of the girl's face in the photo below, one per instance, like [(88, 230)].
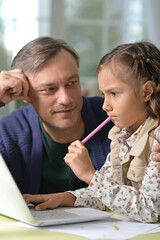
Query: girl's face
[(126, 107)]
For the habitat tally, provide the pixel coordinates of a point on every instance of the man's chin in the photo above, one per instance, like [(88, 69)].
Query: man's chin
[(64, 124)]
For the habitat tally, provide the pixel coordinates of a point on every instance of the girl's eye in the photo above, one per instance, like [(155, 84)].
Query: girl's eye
[(101, 93)]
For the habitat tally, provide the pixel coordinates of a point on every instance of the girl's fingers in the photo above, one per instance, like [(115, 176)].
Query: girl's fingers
[(42, 206), (35, 199)]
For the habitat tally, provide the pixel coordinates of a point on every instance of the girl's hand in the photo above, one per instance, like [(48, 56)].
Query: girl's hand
[(54, 200), (78, 159)]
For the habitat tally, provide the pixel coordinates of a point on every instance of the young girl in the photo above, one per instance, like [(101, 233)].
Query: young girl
[(129, 182)]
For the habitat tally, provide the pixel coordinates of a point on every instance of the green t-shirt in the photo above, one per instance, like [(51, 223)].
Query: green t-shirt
[(57, 176)]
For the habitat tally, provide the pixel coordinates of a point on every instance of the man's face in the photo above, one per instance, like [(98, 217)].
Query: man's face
[(55, 92)]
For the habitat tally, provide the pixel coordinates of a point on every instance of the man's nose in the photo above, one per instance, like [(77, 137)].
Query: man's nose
[(63, 97)]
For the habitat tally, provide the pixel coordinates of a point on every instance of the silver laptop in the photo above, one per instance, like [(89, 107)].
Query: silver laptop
[(13, 205)]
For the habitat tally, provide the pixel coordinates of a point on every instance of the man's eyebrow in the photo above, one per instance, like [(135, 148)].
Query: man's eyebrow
[(73, 76), (44, 85), (51, 84)]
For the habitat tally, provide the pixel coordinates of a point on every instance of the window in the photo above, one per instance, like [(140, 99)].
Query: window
[(18, 25), (92, 27)]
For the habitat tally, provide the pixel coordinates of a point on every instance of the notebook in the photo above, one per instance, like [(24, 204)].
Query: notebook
[(13, 205)]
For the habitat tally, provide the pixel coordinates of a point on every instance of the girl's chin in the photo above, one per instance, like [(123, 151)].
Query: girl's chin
[(117, 124)]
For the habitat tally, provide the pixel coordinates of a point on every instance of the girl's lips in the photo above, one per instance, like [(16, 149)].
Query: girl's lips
[(113, 118)]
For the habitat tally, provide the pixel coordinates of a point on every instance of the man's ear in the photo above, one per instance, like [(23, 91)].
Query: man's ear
[(148, 89), (27, 100)]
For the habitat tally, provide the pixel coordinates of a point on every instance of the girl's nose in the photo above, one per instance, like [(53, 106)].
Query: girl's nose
[(107, 106)]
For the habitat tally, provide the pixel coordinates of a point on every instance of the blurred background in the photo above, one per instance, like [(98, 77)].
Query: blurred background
[(92, 27)]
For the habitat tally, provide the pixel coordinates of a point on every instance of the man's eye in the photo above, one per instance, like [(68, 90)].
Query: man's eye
[(72, 83), (47, 90), (114, 93)]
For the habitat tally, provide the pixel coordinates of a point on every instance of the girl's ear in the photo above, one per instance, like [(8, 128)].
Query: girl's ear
[(148, 89)]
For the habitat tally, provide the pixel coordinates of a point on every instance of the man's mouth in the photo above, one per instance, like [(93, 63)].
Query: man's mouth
[(64, 112)]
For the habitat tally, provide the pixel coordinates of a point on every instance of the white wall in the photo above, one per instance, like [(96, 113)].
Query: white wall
[(152, 21)]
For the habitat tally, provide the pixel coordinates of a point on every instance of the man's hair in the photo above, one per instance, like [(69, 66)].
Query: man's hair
[(34, 54)]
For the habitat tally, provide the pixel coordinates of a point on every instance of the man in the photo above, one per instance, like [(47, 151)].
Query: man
[(35, 139), (156, 155)]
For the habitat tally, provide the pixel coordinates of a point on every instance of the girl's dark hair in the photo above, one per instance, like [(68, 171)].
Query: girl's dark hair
[(35, 53), (137, 62)]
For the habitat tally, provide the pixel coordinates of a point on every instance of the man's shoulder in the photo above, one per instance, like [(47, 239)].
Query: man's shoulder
[(92, 109), (92, 112), (94, 103), (93, 100)]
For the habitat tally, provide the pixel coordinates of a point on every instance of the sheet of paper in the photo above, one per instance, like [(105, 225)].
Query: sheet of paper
[(115, 227), (155, 230)]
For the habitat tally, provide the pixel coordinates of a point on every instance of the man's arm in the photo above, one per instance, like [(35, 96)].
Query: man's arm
[(13, 86), (156, 155)]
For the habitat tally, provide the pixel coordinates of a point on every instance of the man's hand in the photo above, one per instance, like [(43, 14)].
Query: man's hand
[(13, 86), (155, 156)]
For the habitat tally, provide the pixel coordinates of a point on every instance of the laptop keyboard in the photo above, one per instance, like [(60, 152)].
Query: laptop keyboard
[(51, 214)]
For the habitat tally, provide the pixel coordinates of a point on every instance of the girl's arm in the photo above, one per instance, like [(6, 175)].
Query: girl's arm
[(142, 205), (103, 191), (44, 201)]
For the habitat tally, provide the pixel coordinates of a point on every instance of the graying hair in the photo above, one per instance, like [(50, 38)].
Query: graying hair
[(35, 53)]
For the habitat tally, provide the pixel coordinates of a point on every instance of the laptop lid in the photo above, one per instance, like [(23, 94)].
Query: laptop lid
[(13, 205)]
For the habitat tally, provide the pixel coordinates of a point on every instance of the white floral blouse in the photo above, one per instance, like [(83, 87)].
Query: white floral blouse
[(103, 191)]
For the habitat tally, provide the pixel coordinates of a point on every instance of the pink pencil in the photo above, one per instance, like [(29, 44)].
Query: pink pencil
[(96, 130)]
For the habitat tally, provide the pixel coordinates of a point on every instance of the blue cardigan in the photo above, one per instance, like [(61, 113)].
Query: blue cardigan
[(22, 148)]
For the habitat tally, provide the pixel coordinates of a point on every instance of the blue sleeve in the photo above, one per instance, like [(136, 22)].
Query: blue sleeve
[(22, 149)]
